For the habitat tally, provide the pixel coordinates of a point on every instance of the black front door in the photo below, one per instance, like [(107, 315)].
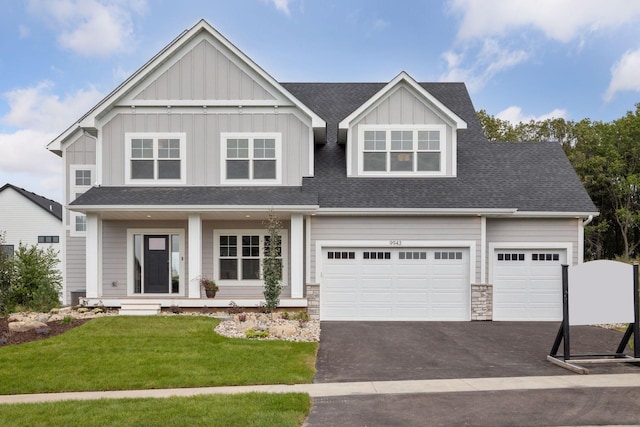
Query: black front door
[(156, 264)]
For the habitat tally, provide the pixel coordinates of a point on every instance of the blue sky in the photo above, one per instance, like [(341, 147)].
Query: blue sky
[(521, 59)]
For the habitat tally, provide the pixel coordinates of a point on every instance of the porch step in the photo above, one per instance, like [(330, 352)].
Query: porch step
[(139, 309)]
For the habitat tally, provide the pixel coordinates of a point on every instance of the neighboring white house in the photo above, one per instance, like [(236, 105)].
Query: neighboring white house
[(394, 205), (30, 219)]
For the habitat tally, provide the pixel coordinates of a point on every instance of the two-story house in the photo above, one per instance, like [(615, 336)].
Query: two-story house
[(393, 203), (29, 219)]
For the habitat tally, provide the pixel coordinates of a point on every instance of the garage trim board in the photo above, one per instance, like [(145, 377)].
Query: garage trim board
[(406, 279)]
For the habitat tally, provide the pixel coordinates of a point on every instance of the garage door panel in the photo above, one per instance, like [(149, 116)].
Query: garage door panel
[(342, 297), (529, 288), (377, 297), (408, 298), (412, 283), (447, 298), (397, 284)]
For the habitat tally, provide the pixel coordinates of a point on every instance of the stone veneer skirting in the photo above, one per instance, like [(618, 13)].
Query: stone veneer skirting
[(313, 301), (481, 301)]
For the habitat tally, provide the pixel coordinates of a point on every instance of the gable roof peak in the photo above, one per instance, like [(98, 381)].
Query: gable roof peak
[(404, 77), (54, 208), (89, 119)]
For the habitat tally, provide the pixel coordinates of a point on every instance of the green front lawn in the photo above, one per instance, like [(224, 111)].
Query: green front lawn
[(116, 353), (252, 409)]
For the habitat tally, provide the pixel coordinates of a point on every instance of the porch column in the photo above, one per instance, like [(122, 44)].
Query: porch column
[(92, 260), (195, 255), (297, 256)]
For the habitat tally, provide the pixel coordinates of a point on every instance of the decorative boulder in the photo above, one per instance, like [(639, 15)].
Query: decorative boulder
[(26, 325)]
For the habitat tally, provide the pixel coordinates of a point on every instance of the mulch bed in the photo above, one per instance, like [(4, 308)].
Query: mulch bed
[(54, 328)]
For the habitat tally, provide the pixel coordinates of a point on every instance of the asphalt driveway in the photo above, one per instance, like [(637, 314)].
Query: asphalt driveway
[(387, 351)]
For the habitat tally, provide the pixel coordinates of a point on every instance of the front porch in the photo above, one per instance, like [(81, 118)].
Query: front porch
[(125, 251)]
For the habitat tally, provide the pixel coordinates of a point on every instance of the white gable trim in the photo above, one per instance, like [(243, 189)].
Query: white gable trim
[(89, 119), (382, 93)]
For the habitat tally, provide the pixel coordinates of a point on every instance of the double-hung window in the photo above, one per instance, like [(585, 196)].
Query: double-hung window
[(155, 158), (81, 179), (251, 158), (402, 150), (239, 255)]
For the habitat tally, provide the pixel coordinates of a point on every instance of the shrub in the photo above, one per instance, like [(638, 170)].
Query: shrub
[(251, 334), (234, 308), (67, 319), (30, 279)]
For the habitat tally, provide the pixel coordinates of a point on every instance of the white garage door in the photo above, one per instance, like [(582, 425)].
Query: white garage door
[(527, 284), (395, 284)]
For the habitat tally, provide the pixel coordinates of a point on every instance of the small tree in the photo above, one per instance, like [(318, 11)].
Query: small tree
[(272, 265), (34, 279)]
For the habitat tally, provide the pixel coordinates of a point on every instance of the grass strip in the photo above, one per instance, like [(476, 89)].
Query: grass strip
[(251, 409), (124, 353)]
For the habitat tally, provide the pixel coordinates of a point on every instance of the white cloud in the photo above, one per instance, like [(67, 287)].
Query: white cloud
[(625, 75), (281, 5), (39, 116), (90, 27), (490, 60), (514, 115), (561, 20), (36, 108)]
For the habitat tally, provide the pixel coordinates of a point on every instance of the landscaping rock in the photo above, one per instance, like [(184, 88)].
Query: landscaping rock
[(26, 325), (279, 328)]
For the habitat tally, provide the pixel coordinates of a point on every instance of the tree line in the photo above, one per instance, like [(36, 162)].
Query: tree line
[(606, 157)]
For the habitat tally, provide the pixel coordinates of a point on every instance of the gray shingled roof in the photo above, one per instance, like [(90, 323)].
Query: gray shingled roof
[(524, 176), (54, 208), (196, 196)]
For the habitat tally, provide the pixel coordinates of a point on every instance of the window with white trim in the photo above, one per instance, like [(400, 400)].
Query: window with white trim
[(81, 178), (403, 150), (251, 158), (239, 255), (155, 158)]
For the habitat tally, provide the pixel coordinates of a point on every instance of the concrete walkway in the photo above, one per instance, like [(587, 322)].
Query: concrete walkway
[(358, 388)]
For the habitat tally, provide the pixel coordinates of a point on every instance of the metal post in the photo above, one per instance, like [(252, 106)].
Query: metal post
[(565, 311), (636, 313)]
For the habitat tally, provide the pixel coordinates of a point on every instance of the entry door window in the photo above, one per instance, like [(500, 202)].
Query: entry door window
[(156, 263)]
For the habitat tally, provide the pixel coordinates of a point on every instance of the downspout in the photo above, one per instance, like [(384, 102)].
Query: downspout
[(581, 238)]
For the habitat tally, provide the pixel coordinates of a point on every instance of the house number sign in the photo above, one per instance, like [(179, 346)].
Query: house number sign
[(395, 242)]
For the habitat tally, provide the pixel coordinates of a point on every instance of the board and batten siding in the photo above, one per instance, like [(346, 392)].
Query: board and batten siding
[(203, 161), (75, 265), (533, 230), (204, 72), (401, 107), (395, 228)]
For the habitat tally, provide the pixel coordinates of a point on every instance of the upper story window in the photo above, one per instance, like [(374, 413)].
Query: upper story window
[(403, 150), (82, 177), (155, 158), (251, 158)]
